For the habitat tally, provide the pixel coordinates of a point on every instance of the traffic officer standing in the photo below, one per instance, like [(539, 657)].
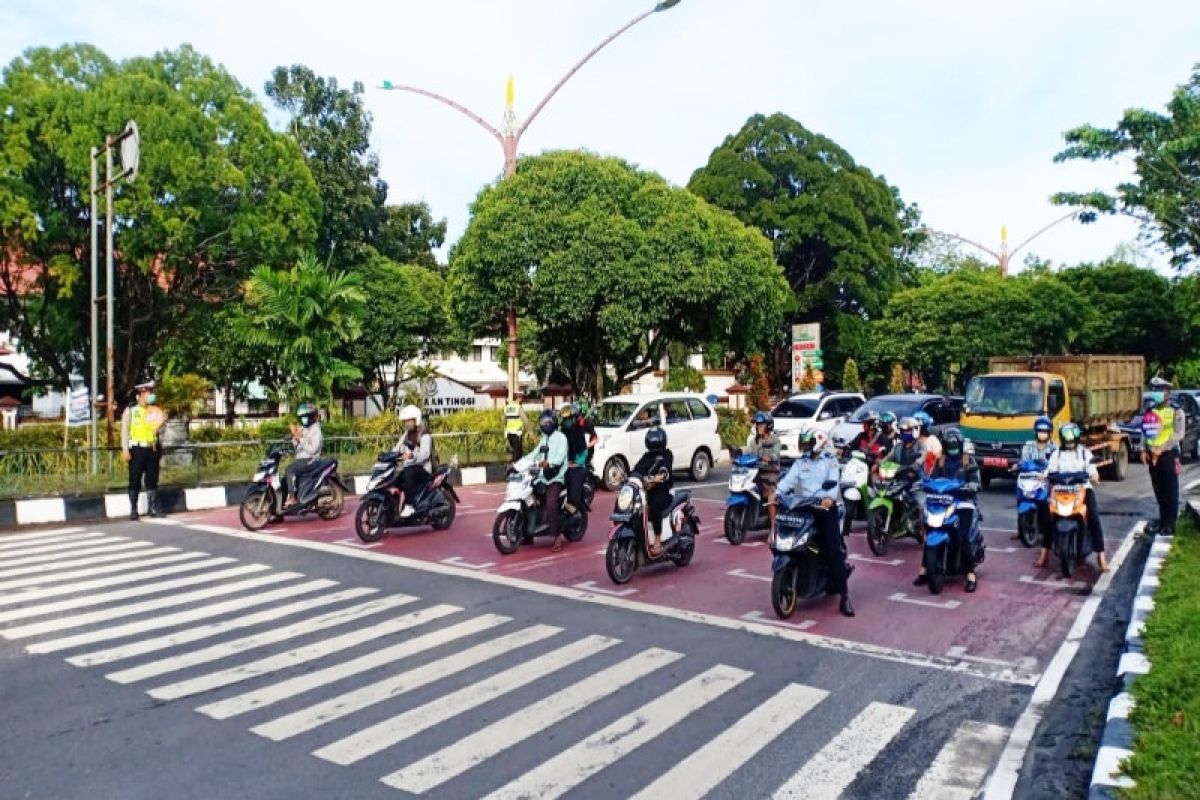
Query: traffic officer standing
[(1162, 432), (514, 429), (140, 449)]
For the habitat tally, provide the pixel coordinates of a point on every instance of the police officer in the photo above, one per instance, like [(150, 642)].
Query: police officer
[(140, 448), (1162, 432), (514, 428)]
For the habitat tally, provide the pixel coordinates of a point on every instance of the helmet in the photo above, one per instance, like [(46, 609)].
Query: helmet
[(656, 440), (410, 412), (819, 439), (952, 442), (567, 416), (763, 418), (806, 440), (584, 408), (924, 420), (887, 420), (871, 419), (306, 414), (908, 429), (1069, 434), (1043, 425), (547, 422)]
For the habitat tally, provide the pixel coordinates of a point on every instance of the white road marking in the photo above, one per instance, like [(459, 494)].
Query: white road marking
[(962, 763), (48, 572), (16, 539), (759, 617), (723, 540), (901, 597), (1026, 663), (1053, 583), (741, 573), (41, 580), (102, 583), (590, 586), (97, 555), (827, 774), (58, 545), (457, 561), (895, 562), (354, 541)]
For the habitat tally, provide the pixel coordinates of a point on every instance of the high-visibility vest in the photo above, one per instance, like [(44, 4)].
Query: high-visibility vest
[(144, 422), (512, 419), (1158, 426)]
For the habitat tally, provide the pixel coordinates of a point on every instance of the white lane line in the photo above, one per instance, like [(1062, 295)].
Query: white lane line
[(157, 604), (590, 586), (206, 631), (354, 541), (254, 641), (827, 774), (573, 766), (758, 616), (962, 763), (94, 537), (1026, 663), (344, 705), (895, 562), (392, 731), (103, 583), (741, 573), (1053, 583), (1007, 549), (458, 562), (723, 540), (299, 655), (111, 597), (486, 742), (41, 580), (901, 597), (706, 768), (109, 544), (18, 539), (97, 555), (181, 617), (299, 684)]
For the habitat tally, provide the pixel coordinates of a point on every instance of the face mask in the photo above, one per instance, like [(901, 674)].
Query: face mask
[(150, 398), (1158, 398), (906, 436)]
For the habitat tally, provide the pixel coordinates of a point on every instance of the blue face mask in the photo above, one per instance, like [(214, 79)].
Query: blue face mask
[(1157, 397), (150, 398), (907, 436)]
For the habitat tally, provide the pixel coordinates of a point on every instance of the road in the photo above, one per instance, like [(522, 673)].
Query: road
[(188, 658)]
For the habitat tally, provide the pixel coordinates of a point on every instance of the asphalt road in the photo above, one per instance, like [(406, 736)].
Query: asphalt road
[(190, 659)]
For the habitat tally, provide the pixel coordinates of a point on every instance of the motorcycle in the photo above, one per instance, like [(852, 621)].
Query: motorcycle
[(946, 553), (319, 490), (855, 487), (744, 510), (1032, 492), (435, 505), (893, 513), (628, 542), (798, 571), (522, 515), (1068, 510)]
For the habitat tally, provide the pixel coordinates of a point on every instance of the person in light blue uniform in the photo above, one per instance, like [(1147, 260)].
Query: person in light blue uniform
[(550, 456)]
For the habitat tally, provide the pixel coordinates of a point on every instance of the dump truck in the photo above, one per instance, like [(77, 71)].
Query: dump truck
[(1095, 392)]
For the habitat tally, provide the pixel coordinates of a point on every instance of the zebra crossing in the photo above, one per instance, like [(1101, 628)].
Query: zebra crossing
[(428, 696)]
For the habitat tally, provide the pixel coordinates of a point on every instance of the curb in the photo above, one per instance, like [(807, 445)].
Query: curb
[(48, 510)]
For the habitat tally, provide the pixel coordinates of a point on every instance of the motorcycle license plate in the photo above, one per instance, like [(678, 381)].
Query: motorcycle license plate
[(995, 461)]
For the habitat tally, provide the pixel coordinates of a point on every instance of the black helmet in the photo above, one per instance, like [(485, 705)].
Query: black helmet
[(952, 442), (763, 418), (306, 414), (547, 422), (656, 440)]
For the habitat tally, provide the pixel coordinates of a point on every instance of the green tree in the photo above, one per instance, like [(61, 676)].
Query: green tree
[(409, 235), (851, 382), (759, 396), (217, 191), (1165, 150), (896, 384), (301, 316), (612, 264)]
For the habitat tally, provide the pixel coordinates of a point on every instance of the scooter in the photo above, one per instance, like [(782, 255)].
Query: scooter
[(319, 490), (1032, 491), (435, 505), (946, 553), (798, 571), (629, 540), (856, 488), (522, 515), (893, 513), (1068, 510), (744, 510)]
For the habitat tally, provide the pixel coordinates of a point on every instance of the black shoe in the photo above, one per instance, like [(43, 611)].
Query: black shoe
[(133, 507), (921, 580), (970, 585), (849, 569), (846, 607)]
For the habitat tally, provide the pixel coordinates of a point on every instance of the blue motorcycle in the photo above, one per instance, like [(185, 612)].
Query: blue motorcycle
[(1033, 491), (946, 552), (744, 509), (798, 573)]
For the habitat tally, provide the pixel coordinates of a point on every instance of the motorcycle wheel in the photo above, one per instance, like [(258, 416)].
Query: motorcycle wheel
[(506, 533), (256, 508), (1066, 553), (620, 560), (334, 505), (877, 535), (783, 592), (370, 520), (445, 519), (575, 526), (1027, 527), (935, 568), (735, 525), (683, 556)]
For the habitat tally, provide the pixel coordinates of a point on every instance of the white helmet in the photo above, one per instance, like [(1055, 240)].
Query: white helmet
[(410, 412), (819, 441)]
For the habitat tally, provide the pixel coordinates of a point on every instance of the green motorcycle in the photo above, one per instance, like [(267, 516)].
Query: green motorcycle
[(894, 512)]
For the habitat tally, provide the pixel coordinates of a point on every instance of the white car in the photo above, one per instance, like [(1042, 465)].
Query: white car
[(817, 411), (622, 421)]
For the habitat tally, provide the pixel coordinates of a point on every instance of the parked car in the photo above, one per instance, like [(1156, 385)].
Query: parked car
[(1187, 401), (811, 411), (945, 411), (622, 421)]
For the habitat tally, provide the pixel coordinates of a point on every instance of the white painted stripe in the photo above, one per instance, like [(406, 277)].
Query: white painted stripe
[(101, 583), (473, 476), (182, 617), (157, 604), (1137, 663), (704, 769), (1107, 770), (477, 747), (962, 764), (111, 597), (383, 735), (47, 509), (41, 580), (576, 764), (157, 643), (366, 696), (299, 684), (827, 774), (205, 497), (360, 483), (116, 545), (65, 543), (1120, 707), (254, 641), (13, 539), (132, 550), (299, 655)]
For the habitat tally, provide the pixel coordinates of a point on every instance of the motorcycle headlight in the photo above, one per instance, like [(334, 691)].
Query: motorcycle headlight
[(934, 518), (374, 481), (785, 542), (625, 498), (258, 476)]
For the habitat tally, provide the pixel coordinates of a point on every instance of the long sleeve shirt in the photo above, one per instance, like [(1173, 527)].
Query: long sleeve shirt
[(422, 451), (808, 476), (308, 443), (1075, 459), (1036, 451), (767, 448), (555, 455)]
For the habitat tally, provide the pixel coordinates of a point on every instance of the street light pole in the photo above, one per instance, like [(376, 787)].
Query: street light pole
[(1003, 255), (510, 137)]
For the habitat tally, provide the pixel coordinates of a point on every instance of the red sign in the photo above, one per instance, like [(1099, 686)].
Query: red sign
[(804, 345)]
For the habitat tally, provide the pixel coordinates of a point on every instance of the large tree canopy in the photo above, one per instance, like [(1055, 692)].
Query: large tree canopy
[(1165, 150), (218, 193), (612, 264)]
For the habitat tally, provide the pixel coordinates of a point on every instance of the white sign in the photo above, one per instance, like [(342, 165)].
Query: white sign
[(79, 407), (444, 396), (806, 350)]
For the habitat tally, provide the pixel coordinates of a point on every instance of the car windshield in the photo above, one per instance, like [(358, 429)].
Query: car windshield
[(795, 409), (901, 407), (1009, 396), (611, 414)]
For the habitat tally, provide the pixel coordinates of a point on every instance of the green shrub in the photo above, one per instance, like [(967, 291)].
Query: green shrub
[(685, 378), (733, 426)]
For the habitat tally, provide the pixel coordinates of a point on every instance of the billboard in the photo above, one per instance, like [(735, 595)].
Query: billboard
[(79, 406), (806, 350)]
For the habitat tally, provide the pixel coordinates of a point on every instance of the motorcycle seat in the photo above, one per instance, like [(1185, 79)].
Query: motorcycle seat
[(317, 466), (680, 496)]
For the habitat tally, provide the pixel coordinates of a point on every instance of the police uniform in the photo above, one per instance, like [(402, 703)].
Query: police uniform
[(514, 429), (1162, 431), (140, 426)]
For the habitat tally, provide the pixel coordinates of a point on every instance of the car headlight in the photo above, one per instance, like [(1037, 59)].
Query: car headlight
[(625, 498)]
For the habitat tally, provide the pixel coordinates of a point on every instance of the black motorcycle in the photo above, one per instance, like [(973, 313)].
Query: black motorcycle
[(522, 515), (629, 543), (436, 504), (319, 489), (799, 572)]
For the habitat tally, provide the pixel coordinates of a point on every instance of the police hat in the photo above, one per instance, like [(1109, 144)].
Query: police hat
[(148, 386), (1160, 383)]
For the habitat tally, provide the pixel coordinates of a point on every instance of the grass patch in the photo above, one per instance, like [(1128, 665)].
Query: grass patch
[(1166, 717)]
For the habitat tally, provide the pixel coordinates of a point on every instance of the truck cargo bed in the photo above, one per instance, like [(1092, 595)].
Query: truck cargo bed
[(1103, 389)]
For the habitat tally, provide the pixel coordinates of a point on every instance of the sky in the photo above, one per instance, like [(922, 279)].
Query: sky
[(961, 105)]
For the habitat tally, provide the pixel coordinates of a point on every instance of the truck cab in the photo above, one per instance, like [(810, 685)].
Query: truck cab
[(999, 411)]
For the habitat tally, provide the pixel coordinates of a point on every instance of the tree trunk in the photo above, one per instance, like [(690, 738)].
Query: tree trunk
[(230, 400)]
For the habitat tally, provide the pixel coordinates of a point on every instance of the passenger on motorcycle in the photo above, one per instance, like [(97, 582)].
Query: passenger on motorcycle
[(766, 446), (416, 451), (1039, 448), (1074, 457), (575, 427), (654, 468), (306, 446), (931, 447), (956, 462), (885, 440), (550, 456), (811, 472), (867, 436)]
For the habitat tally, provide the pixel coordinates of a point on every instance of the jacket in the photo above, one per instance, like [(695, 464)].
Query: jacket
[(555, 455), (1035, 451), (1076, 459), (308, 443), (422, 454), (807, 478)]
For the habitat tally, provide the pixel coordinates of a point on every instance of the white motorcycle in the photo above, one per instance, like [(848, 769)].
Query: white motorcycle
[(522, 515), (855, 487)]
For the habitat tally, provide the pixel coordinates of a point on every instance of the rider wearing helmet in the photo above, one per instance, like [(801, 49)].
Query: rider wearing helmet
[(867, 436), (306, 446), (1074, 457), (1040, 447), (957, 462), (550, 455), (575, 427), (655, 467), (766, 446), (416, 451), (811, 473), (931, 447), (885, 440)]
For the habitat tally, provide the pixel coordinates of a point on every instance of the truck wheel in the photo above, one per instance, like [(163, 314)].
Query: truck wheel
[(1116, 471), (985, 480)]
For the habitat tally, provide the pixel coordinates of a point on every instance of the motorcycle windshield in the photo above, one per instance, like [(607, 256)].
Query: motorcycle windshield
[(1069, 479), (942, 485), (746, 461), (1032, 465)]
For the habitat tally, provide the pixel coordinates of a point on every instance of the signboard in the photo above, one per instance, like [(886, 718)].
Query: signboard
[(806, 351), (441, 395), (79, 407)]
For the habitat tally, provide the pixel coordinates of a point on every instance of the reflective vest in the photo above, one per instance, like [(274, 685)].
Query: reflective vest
[(1158, 426), (512, 419), (144, 422)]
